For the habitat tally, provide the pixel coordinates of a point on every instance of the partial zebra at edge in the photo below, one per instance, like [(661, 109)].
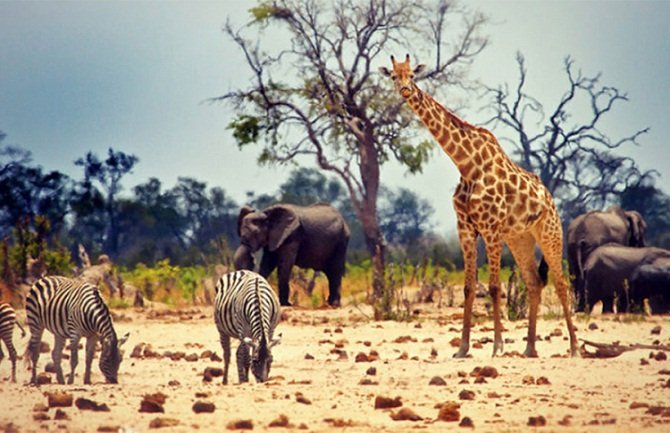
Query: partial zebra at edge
[(7, 322)]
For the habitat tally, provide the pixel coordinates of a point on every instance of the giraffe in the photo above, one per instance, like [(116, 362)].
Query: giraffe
[(497, 200)]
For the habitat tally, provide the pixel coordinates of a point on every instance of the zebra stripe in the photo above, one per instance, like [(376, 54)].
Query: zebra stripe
[(246, 307), (7, 322), (72, 308)]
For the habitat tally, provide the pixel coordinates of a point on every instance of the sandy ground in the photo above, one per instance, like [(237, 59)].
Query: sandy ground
[(318, 386)]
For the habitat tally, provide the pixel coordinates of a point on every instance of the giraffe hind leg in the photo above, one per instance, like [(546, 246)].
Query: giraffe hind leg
[(468, 239), (494, 255)]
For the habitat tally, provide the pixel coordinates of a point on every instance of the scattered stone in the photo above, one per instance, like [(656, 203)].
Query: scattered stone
[(466, 395), (466, 422), (449, 412), (644, 361), (174, 382), (593, 326), (372, 371), (281, 421), (405, 339), (203, 406), (405, 414), (477, 345), (86, 404), (557, 332), (211, 372), (537, 421), (109, 429), (382, 402), (215, 358), (638, 405), (161, 422), (152, 403), (308, 356), (202, 394), (362, 357), (206, 354), (61, 415), (492, 394), (300, 398), (367, 381), (455, 342), (192, 357), (528, 380), (43, 378), (462, 374), (542, 381), (433, 353), (240, 424), (39, 407), (661, 356), (480, 379), (664, 371), (566, 421), (656, 330), (486, 371), (338, 422), (437, 381), (41, 416), (58, 399), (50, 367), (137, 350)]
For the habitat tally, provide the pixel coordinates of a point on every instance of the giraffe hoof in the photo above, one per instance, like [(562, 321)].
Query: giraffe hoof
[(530, 353), (461, 354)]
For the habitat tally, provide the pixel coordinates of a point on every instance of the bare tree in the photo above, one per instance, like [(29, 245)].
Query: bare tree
[(319, 95), (569, 150)]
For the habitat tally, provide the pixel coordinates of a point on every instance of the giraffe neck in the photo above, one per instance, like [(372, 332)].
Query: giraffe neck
[(467, 145)]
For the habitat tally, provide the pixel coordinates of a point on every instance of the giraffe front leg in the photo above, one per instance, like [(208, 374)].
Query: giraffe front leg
[(56, 356), (468, 240), (494, 253), (90, 352)]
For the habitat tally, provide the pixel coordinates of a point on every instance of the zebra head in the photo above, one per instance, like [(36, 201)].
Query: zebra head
[(261, 357), (110, 358)]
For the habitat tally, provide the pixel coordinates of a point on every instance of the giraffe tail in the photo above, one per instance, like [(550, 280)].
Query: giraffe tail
[(544, 271)]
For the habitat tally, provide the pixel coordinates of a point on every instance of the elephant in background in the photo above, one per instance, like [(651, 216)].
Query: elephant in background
[(610, 268), (593, 229), (313, 237), (652, 282)]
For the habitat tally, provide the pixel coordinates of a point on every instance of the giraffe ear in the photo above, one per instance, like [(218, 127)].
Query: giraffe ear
[(420, 69), (385, 71)]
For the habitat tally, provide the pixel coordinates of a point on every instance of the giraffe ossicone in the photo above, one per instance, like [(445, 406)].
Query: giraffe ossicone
[(497, 200)]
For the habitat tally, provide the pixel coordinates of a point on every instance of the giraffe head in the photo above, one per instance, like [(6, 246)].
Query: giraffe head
[(402, 75)]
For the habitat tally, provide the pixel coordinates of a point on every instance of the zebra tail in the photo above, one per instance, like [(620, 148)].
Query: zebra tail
[(23, 331), (27, 358)]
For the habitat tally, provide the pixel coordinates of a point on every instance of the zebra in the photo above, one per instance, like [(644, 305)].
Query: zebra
[(7, 321), (246, 307), (72, 308)]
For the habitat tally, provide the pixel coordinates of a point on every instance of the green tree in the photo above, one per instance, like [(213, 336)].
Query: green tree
[(318, 94)]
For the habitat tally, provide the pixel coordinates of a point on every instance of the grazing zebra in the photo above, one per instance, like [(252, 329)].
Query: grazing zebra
[(72, 308), (7, 321), (247, 308)]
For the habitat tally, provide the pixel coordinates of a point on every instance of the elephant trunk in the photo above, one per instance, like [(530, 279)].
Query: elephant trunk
[(243, 258)]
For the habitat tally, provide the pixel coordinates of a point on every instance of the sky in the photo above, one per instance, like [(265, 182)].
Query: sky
[(135, 76)]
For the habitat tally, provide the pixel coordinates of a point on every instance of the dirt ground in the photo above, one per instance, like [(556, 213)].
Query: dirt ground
[(334, 365)]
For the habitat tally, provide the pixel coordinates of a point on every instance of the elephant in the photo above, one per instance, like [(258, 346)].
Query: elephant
[(313, 237), (609, 270), (593, 229), (652, 282)]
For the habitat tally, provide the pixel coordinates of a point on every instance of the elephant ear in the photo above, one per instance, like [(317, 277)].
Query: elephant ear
[(282, 222), (246, 210), (638, 227)]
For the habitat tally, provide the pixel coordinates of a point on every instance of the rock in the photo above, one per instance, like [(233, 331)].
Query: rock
[(480, 379), (537, 421), (466, 422), (661, 356), (39, 407), (656, 330), (58, 399), (240, 424), (405, 339), (565, 421), (300, 398), (542, 381), (437, 381), (449, 412), (86, 404), (41, 416), (466, 395), (405, 414), (61, 415), (191, 357), (528, 380), (215, 358), (163, 422), (206, 354), (455, 342), (367, 381), (361, 357), (638, 405), (203, 406), (50, 367), (211, 372), (153, 403), (308, 356), (109, 428), (382, 402), (43, 378), (137, 350), (281, 421), (372, 371), (174, 382), (488, 371)]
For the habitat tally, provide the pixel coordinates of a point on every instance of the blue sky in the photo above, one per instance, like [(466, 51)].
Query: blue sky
[(134, 76)]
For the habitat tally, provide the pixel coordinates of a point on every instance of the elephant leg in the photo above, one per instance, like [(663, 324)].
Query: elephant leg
[(284, 275), (608, 304), (334, 273)]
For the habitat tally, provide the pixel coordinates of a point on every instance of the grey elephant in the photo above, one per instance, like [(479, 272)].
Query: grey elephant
[(609, 269), (314, 237), (652, 282), (593, 229)]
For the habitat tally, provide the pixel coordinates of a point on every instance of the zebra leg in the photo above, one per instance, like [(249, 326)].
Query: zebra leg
[(90, 351), (74, 357), (12, 355), (56, 356), (225, 344), (34, 351), (243, 361), (2, 354)]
